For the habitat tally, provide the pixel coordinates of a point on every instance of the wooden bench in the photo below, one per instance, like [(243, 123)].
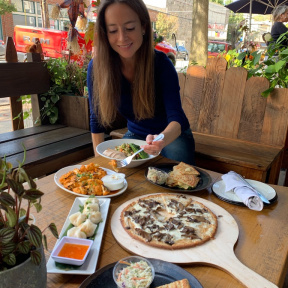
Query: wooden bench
[(49, 147), (234, 127)]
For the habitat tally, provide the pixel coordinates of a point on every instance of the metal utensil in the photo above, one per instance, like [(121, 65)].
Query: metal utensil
[(127, 161), (262, 197)]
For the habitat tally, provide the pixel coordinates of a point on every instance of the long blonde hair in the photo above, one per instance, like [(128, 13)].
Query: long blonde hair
[(107, 69)]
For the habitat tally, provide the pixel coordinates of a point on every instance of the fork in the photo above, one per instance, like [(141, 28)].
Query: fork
[(127, 161)]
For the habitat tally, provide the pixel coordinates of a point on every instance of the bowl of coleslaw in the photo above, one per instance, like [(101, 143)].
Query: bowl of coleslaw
[(133, 271)]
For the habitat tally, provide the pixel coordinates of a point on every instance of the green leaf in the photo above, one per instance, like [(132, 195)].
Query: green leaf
[(270, 69), (38, 207), (36, 257), (52, 227), (7, 248), (11, 217), (6, 234), (279, 65), (15, 186), (34, 234), (256, 58), (45, 242), (10, 259), (267, 92), (7, 199), (241, 56), (24, 247), (33, 194)]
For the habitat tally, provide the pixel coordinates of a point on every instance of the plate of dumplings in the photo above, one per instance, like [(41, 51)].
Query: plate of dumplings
[(86, 219)]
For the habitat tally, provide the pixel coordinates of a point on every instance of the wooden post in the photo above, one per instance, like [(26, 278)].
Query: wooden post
[(35, 57), (15, 105)]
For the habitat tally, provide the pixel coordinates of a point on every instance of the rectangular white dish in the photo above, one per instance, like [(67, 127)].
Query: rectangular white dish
[(89, 265)]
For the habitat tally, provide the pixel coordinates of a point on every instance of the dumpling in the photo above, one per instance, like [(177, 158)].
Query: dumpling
[(95, 217), (76, 232), (77, 218), (91, 207), (91, 201), (88, 227)]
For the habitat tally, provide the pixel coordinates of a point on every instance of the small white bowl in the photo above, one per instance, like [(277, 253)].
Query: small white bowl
[(131, 259), (116, 142), (71, 240)]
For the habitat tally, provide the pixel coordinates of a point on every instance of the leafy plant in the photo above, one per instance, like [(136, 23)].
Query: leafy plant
[(65, 79), (18, 237), (273, 66), (6, 7)]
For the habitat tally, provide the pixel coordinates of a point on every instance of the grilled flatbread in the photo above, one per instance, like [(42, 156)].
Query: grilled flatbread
[(184, 283), (183, 176), (169, 221)]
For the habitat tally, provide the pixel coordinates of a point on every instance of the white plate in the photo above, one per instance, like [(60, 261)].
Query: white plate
[(89, 265), (229, 196), (65, 170), (116, 142)]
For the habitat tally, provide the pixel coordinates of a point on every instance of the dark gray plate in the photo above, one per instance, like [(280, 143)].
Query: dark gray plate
[(165, 273), (204, 182)]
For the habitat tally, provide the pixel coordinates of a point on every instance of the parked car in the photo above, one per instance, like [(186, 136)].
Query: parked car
[(182, 53), (217, 47), (168, 49)]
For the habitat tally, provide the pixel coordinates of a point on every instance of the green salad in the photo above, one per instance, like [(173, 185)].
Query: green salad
[(129, 148)]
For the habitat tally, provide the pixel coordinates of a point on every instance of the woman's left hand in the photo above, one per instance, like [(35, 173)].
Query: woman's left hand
[(153, 148)]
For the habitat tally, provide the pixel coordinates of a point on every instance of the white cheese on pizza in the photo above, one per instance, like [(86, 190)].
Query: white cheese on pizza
[(169, 221)]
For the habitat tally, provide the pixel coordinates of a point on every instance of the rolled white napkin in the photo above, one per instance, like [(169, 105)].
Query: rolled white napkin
[(247, 194)]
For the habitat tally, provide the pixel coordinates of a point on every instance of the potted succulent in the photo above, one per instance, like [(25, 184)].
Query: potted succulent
[(22, 259)]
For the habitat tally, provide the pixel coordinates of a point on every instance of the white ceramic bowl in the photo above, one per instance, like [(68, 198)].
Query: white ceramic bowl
[(71, 261), (116, 142), (120, 265)]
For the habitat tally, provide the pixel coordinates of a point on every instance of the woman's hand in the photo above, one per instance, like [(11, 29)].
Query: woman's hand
[(153, 148)]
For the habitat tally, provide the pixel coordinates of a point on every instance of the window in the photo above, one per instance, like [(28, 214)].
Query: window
[(24, 20), (18, 4), (29, 7), (29, 14)]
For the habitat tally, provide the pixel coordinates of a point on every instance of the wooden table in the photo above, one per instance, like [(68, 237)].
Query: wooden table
[(262, 244)]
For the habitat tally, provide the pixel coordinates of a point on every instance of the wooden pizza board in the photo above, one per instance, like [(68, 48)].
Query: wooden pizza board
[(218, 252)]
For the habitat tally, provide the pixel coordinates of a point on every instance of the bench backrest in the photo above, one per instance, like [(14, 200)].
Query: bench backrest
[(224, 103)]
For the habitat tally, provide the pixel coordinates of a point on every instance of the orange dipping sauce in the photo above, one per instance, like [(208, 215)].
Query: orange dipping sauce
[(75, 251)]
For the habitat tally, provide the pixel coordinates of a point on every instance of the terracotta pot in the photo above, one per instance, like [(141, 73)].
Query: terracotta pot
[(25, 275)]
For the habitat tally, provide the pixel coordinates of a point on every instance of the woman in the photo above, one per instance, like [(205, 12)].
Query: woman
[(280, 15), (130, 77)]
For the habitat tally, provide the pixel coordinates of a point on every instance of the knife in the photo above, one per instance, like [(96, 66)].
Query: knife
[(262, 197)]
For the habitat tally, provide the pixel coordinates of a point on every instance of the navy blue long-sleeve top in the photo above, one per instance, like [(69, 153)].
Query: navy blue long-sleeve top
[(167, 101)]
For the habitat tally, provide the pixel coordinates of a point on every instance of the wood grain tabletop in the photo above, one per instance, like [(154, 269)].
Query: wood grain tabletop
[(262, 244)]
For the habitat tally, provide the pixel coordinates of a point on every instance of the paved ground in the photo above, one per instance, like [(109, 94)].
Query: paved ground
[(5, 116)]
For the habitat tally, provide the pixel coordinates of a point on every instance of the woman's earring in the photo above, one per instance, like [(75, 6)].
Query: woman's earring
[(143, 34)]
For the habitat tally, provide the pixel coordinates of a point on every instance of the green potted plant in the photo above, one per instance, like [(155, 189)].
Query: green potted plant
[(67, 79), (22, 259)]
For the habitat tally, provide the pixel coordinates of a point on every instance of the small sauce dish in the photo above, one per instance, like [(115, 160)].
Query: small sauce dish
[(73, 251)]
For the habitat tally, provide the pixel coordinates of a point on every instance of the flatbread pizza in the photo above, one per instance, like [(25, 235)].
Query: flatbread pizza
[(169, 221)]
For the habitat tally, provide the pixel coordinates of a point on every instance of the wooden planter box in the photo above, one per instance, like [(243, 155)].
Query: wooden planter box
[(74, 111)]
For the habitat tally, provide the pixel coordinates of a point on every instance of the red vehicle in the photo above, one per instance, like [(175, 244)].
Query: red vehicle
[(168, 50), (53, 42), (217, 47)]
